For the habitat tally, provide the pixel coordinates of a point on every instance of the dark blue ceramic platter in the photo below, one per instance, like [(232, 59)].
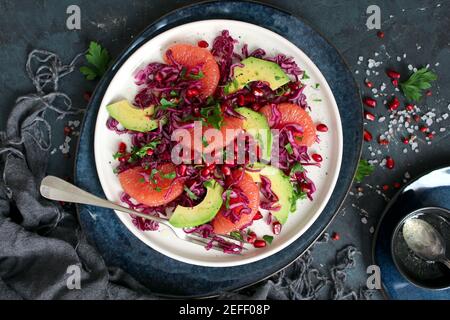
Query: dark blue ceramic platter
[(168, 277), (430, 190)]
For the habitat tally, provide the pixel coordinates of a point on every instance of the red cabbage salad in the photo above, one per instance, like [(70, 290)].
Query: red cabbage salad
[(219, 141)]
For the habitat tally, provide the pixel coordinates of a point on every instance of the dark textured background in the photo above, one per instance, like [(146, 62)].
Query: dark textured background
[(408, 25)]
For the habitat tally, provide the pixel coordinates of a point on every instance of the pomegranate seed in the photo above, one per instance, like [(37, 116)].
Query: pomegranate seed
[(383, 142), (385, 187), (316, 157), (335, 236), (322, 127), (124, 158), (380, 34), (368, 84), (429, 93), (87, 96), (226, 170), (205, 172), (211, 166), (430, 135), (67, 130), (276, 227), (370, 102), (293, 86), (405, 140), (304, 188), (397, 185), (367, 136), (250, 98), (259, 243), (423, 129), (122, 147), (416, 118), (258, 216), (159, 77), (241, 100), (394, 104), (395, 82), (251, 237), (182, 170), (150, 152), (369, 116), (203, 44), (393, 74), (390, 162), (409, 107), (196, 112), (257, 92), (192, 93)]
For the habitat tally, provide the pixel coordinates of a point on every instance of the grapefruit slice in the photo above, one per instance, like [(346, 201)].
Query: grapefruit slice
[(223, 225), (159, 190), (293, 114), (191, 56)]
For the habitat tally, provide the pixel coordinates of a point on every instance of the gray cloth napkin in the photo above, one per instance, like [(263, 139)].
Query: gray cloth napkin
[(39, 240)]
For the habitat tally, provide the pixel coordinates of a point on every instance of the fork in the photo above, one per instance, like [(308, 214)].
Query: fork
[(54, 188)]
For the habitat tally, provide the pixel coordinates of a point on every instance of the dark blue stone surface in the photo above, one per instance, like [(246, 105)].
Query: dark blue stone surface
[(170, 277)]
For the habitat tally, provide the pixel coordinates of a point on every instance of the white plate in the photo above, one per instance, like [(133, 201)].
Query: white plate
[(324, 111)]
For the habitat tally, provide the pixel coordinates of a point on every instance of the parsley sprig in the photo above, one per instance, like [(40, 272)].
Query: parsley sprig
[(364, 169), (417, 82), (98, 61)]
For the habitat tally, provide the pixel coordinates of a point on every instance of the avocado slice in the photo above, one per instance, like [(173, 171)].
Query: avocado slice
[(205, 211), (257, 126), (281, 186), (132, 118), (257, 69)]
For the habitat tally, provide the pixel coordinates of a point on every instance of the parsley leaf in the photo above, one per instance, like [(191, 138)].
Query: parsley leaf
[(190, 194), (165, 104), (237, 235), (142, 152), (213, 115), (297, 168), (197, 76), (297, 195), (305, 75), (417, 82), (268, 239), (227, 199), (98, 60), (364, 169), (170, 175)]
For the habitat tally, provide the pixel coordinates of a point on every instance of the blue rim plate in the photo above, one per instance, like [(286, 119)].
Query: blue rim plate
[(171, 278), (430, 190)]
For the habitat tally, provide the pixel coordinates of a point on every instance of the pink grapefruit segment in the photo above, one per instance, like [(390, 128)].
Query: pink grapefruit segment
[(191, 56), (153, 193), (293, 114), (223, 225)]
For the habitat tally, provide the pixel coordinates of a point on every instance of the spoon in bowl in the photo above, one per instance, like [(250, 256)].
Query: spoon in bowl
[(424, 240)]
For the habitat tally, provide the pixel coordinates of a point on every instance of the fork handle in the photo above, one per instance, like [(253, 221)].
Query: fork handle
[(54, 188)]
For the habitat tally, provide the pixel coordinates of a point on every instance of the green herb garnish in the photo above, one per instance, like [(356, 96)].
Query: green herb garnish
[(268, 239), (227, 199), (170, 175), (165, 104), (237, 235), (197, 76), (288, 148), (297, 168), (142, 152), (417, 82), (213, 115), (364, 169), (297, 195), (98, 61), (305, 75)]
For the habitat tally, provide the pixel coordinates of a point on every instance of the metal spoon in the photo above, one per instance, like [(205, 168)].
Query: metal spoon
[(424, 240)]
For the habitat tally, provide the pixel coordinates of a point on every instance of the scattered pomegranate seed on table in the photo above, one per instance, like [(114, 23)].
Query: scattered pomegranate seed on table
[(385, 187), (394, 104), (395, 82), (335, 236), (383, 142), (372, 103), (409, 107), (67, 130), (367, 136), (390, 162), (393, 74), (429, 93), (368, 84), (397, 185), (369, 116), (416, 118), (87, 96), (423, 129), (430, 135), (405, 140)]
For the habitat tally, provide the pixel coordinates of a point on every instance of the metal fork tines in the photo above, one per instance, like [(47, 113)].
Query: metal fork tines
[(54, 188)]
